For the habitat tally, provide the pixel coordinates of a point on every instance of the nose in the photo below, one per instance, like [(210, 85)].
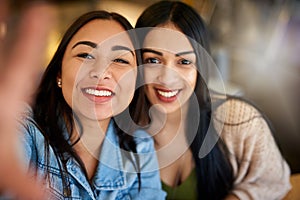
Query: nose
[(167, 74), (101, 72)]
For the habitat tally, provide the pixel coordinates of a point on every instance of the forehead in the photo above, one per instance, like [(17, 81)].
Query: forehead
[(102, 31), (168, 39)]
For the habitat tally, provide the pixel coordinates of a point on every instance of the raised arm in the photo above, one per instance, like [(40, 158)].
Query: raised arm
[(21, 60)]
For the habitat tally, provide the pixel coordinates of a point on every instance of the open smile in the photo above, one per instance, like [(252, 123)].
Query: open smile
[(98, 95), (96, 92), (167, 95)]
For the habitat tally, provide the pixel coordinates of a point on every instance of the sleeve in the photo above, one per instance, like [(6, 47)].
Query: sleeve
[(150, 186), (21, 151), (26, 147), (31, 141), (259, 168)]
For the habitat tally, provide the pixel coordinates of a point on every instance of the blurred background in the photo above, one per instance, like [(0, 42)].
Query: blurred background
[(255, 44)]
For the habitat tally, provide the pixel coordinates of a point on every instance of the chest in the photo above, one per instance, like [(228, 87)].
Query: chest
[(178, 171), (75, 185)]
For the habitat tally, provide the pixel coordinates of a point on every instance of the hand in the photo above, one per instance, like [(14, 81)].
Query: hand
[(21, 61)]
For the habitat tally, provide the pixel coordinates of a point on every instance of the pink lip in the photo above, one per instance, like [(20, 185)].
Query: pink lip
[(98, 99)]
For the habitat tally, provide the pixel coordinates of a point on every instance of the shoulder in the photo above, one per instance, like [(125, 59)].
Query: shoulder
[(26, 121), (30, 137), (28, 128), (238, 120), (29, 132), (147, 157), (144, 141), (236, 111)]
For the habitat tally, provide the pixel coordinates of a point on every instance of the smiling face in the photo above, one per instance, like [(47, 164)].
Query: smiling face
[(169, 66), (99, 70)]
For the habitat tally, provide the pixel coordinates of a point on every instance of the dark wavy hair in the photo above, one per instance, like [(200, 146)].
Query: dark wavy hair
[(214, 171), (51, 112)]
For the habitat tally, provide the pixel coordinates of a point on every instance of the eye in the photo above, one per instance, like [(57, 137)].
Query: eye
[(120, 60), (185, 62), (151, 61), (86, 56)]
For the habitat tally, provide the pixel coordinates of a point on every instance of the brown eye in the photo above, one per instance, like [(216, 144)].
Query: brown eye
[(151, 61), (86, 56), (120, 60), (185, 62)]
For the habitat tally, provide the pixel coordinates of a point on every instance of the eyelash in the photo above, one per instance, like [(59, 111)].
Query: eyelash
[(157, 61), (120, 60), (90, 56), (86, 56), (185, 60), (149, 61)]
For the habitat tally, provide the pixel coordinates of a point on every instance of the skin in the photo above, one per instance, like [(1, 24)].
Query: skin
[(170, 71), (18, 81), (98, 81)]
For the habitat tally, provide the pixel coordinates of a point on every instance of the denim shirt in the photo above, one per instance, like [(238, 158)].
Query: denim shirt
[(115, 176)]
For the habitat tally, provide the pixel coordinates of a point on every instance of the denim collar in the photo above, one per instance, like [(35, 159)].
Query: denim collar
[(110, 174)]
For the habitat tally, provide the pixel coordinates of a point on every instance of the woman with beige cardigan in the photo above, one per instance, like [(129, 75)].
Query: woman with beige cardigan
[(209, 146)]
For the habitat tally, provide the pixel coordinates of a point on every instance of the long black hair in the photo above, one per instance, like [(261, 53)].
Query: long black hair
[(214, 171), (51, 112)]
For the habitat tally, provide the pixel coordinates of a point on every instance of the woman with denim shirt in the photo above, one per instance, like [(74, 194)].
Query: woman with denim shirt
[(72, 138)]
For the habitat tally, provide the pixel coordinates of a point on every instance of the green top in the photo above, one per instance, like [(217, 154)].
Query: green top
[(187, 190)]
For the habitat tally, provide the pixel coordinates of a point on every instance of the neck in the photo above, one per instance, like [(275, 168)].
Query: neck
[(167, 125), (175, 158), (93, 134), (168, 130), (89, 146)]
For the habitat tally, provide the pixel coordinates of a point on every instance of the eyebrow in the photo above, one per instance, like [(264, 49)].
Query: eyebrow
[(147, 50), (88, 43), (119, 47), (94, 45), (183, 53)]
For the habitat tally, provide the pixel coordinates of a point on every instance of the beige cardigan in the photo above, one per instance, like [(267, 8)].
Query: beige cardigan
[(260, 171)]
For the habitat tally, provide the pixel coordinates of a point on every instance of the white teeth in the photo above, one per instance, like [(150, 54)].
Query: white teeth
[(168, 94), (102, 93)]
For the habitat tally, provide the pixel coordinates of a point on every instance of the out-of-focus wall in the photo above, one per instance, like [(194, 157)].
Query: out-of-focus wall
[(262, 41)]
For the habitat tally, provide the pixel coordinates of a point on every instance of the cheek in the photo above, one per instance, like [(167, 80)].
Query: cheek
[(150, 75), (68, 82), (126, 81), (125, 87), (67, 89), (147, 89), (191, 78), (73, 71), (70, 76)]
